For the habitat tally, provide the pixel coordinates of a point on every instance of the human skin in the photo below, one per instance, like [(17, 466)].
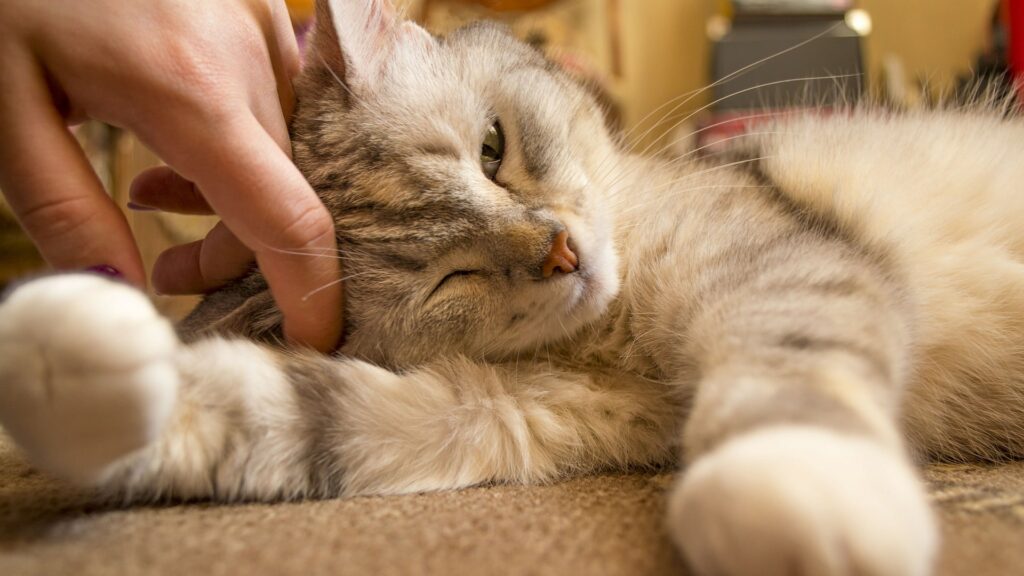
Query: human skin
[(207, 86)]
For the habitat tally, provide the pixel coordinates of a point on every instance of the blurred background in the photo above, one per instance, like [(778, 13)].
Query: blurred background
[(643, 58)]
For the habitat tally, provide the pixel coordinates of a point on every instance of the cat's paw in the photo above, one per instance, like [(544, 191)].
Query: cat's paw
[(86, 372), (796, 500)]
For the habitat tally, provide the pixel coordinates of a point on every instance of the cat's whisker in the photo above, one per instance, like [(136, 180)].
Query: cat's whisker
[(626, 174), (547, 356), (705, 171), (711, 104), (386, 121), (341, 280), (338, 80), (565, 331), (309, 253), (733, 75), (348, 252), (696, 151), (738, 119), (676, 193), (627, 136)]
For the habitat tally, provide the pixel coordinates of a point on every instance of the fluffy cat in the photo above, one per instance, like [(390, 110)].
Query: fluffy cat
[(525, 301)]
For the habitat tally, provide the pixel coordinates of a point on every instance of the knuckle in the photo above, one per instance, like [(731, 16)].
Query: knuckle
[(311, 225), (55, 219), (194, 85), (185, 59), (193, 71)]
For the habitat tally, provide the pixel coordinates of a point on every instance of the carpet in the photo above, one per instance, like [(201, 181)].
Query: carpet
[(595, 525)]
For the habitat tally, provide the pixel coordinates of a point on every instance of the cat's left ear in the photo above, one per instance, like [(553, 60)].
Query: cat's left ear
[(358, 39)]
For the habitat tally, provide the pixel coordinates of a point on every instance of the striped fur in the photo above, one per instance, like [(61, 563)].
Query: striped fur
[(798, 326)]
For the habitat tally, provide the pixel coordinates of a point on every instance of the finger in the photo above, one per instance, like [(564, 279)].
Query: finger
[(164, 189), (50, 185), (285, 61), (252, 184), (202, 266), (285, 57), (281, 51)]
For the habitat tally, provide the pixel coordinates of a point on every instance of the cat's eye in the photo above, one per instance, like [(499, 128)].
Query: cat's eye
[(451, 276), (493, 150), (456, 274)]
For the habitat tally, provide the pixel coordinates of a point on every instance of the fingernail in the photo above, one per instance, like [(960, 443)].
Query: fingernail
[(140, 207), (105, 270)]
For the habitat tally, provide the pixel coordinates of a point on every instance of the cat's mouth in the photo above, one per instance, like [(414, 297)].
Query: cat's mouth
[(595, 283), (575, 292), (578, 290)]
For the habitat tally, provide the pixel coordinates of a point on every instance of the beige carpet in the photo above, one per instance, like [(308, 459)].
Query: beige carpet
[(594, 525)]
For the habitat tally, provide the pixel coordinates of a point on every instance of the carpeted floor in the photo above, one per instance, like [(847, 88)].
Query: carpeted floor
[(594, 525)]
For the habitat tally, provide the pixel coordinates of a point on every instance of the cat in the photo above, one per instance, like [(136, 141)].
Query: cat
[(527, 300)]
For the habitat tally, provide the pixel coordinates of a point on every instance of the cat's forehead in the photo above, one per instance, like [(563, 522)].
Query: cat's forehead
[(435, 106), (466, 79)]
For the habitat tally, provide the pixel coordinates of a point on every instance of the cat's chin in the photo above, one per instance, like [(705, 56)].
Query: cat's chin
[(592, 289), (599, 284), (591, 297), (585, 296)]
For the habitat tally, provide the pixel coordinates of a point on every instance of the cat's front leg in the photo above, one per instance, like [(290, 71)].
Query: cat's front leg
[(97, 389), (797, 466), (803, 500), (87, 372)]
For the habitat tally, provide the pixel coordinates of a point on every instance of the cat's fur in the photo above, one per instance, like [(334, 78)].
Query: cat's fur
[(798, 330)]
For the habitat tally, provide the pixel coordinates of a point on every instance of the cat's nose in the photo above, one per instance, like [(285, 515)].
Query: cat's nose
[(561, 258)]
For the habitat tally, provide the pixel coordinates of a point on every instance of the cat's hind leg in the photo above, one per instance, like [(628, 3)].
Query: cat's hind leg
[(87, 372), (798, 465)]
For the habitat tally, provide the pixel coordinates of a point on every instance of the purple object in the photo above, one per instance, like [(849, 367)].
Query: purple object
[(105, 270), (302, 34)]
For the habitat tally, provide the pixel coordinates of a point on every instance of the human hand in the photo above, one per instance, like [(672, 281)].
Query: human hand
[(206, 85)]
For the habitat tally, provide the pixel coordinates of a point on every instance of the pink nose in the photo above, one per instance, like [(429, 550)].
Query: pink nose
[(561, 258)]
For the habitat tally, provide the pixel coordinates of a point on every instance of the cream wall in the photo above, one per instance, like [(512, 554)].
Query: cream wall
[(666, 51), (665, 54), (937, 39)]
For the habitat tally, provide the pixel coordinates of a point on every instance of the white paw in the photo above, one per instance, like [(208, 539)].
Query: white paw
[(796, 500), (86, 372)]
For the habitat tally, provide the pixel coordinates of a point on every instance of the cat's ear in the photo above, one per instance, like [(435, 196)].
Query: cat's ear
[(357, 39)]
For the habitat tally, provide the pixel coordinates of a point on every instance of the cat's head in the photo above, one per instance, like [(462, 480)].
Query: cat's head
[(467, 177)]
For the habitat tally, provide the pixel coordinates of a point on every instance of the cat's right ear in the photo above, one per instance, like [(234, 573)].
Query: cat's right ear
[(358, 39)]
